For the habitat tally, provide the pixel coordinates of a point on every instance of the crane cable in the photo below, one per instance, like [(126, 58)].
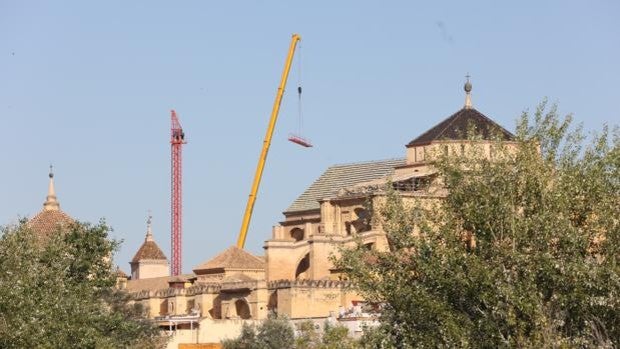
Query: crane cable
[(299, 108)]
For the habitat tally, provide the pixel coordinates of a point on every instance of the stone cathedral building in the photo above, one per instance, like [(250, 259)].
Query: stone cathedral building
[(295, 277)]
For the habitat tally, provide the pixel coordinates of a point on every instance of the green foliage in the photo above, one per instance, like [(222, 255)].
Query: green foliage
[(308, 337), (273, 333), (246, 339), (336, 337), (57, 293), (544, 269), (278, 333)]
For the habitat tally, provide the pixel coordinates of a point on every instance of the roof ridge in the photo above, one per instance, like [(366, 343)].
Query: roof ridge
[(149, 250), (437, 124), (493, 122), (456, 116), (232, 258), (449, 127), (364, 162)]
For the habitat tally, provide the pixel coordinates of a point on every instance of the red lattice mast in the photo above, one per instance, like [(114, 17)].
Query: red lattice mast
[(177, 139)]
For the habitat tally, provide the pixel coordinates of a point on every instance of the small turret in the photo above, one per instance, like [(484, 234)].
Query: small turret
[(149, 261)]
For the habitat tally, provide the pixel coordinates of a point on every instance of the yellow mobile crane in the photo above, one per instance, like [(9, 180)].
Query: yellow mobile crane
[(266, 143)]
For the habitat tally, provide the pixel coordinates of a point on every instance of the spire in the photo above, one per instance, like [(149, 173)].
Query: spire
[(467, 88), (51, 203), (149, 229)]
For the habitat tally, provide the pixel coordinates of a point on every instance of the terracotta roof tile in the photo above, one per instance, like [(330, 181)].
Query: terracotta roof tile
[(232, 258), (48, 222), (149, 250), (152, 284), (237, 278)]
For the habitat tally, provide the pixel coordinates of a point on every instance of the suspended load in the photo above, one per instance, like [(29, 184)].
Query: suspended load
[(297, 138)]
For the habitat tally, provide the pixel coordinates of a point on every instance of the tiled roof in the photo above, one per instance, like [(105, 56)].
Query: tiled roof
[(48, 222), (455, 127), (232, 258), (237, 278), (341, 176), (152, 284), (393, 178), (149, 250), (178, 278)]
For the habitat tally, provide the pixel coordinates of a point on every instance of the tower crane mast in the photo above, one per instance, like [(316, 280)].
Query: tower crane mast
[(245, 224), (177, 139)]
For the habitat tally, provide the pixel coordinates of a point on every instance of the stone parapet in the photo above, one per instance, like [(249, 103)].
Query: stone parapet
[(278, 284)]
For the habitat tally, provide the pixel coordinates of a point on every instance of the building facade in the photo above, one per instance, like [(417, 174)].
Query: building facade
[(296, 277)]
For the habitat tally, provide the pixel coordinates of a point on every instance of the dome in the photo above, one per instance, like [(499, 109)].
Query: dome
[(51, 219), (48, 222)]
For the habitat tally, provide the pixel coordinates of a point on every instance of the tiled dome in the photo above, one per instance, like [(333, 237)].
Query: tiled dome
[(48, 222)]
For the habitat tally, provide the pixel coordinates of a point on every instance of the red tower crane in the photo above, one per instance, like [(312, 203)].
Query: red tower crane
[(177, 139)]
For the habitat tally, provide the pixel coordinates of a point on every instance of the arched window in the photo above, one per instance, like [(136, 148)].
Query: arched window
[(362, 223), (303, 267), (216, 311), (242, 309), (297, 234)]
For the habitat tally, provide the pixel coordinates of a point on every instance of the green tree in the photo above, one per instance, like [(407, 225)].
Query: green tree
[(332, 337), (308, 337), (523, 251), (246, 340), (336, 337), (278, 334), (58, 292), (273, 333)]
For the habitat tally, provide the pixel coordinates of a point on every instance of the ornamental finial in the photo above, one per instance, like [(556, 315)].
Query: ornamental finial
[(149, 228), (467, 88), (51, 202)]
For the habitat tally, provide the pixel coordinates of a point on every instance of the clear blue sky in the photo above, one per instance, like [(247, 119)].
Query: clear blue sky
[(88, 86)]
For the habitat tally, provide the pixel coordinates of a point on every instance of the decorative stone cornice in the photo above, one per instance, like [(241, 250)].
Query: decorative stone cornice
[(309, 284)]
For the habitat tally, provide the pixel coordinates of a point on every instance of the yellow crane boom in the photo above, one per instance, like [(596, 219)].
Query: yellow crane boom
[(247, 216)]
